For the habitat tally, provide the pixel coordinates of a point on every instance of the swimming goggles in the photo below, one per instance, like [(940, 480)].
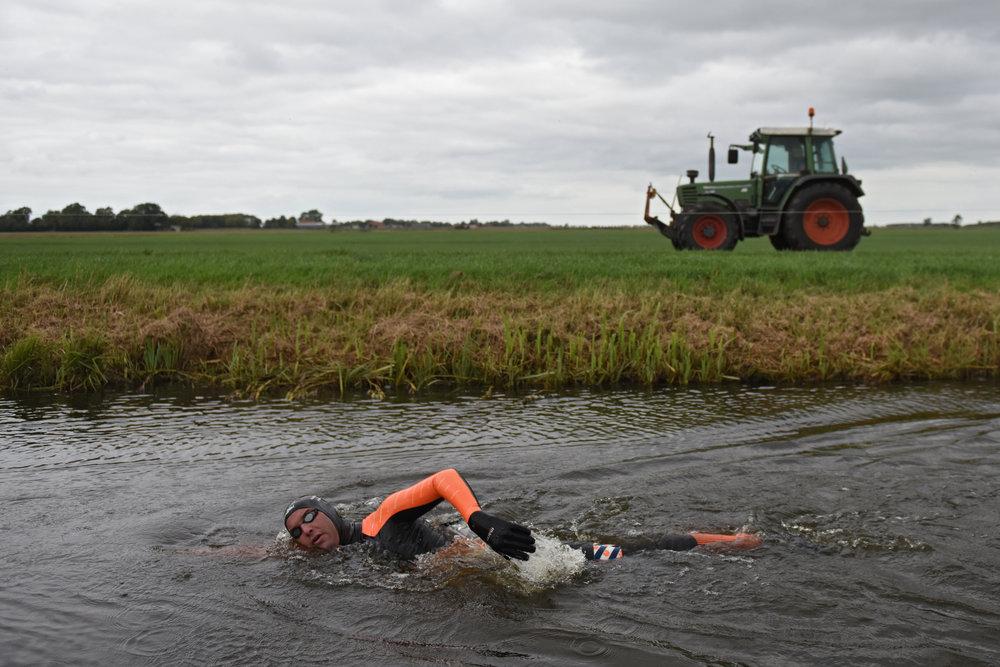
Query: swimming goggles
[(296, 532)]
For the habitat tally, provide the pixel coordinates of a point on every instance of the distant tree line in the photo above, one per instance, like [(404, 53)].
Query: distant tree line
[(956, 223), (281, 223), (146, 217), (393, 223), (150, 217)]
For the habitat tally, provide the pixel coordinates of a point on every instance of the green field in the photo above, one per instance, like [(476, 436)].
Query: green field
[(304, 311), (501, 259)]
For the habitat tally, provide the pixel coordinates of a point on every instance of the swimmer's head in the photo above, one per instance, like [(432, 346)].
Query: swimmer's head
[(315, 524)]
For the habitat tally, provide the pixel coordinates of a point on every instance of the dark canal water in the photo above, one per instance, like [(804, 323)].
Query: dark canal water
[(146, 528)]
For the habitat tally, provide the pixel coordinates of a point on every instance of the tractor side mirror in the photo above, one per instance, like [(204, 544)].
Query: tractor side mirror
[(733, 157)]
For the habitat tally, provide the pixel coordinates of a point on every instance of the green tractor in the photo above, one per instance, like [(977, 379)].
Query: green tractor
[(796, 196)]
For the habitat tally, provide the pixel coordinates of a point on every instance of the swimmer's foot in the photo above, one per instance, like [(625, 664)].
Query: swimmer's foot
[(735, 541)]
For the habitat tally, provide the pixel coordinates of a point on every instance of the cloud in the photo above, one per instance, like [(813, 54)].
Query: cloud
[(556, 110)]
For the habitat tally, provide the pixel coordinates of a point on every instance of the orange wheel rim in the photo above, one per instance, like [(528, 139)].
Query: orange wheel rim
[(826, 221), (709, 232)]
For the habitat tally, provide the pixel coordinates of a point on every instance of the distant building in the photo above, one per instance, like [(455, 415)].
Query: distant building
[(303, 223)]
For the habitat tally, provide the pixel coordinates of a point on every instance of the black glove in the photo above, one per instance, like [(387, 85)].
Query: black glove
[(507, 539)]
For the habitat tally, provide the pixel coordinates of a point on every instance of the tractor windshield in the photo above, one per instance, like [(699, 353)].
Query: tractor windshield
[(785, 155), (824, 161)]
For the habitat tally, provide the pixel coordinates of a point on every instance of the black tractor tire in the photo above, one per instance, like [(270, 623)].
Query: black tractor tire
[(708, 228), (823, 216), (778, 241)]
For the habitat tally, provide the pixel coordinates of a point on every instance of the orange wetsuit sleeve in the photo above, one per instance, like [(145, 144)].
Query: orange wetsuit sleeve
[(707, 538), (739, 540), (413, 502)]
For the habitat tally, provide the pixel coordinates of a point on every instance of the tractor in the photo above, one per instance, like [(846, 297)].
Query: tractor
[(796, 196)]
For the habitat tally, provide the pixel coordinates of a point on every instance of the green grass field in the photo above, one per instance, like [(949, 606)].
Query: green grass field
[(505, 259), (304, 311)]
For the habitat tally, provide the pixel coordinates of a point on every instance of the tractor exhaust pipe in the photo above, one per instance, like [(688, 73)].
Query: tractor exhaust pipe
[(711, 157)]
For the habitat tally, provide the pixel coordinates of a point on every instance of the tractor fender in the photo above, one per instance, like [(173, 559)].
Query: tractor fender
[(848, 182), (726, 203)]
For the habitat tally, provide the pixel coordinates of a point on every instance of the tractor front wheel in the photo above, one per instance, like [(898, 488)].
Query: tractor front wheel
[(824, 216), (713, 229)]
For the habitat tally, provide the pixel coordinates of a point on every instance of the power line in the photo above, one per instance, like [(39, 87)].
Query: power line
[(633, 212)]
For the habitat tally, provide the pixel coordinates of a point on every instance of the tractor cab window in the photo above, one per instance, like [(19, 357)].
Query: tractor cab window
[(824, 161), (785, 155), (758, 155)]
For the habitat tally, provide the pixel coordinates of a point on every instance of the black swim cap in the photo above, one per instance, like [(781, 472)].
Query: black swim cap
[(345, 530)]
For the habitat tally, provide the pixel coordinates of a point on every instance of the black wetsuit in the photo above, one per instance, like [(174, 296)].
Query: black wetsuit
[(405, 539)]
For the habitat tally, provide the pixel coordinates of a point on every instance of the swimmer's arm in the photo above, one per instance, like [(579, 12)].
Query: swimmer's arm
[(413, 502), (692, 540), (726, 541), (506, 538), (660, 543), (669, 543)]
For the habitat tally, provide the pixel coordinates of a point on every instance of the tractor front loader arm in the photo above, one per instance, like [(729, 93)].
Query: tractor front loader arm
[(662, 227)]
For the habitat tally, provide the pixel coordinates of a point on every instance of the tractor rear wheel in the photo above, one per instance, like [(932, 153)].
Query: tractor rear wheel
[(824, 216), (708, 229)]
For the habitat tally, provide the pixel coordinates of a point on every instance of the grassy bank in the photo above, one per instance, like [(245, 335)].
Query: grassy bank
[(295, 312)]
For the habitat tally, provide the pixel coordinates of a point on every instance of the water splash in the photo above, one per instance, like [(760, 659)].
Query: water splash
[(465, 563), (468, 561), (553, 563)]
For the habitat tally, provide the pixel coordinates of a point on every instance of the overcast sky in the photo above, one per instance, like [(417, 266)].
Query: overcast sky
[(540, 110)]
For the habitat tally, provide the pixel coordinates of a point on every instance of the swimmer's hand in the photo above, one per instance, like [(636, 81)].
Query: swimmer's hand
[(507, 539)]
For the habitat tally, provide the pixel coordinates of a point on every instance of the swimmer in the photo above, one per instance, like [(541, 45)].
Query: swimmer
[(398, 526)]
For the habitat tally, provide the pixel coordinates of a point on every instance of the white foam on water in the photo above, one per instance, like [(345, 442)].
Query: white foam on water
[(552, 563)]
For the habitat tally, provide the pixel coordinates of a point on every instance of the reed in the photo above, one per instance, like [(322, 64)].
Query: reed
[(28, 363), (83, 363), (253, 340)]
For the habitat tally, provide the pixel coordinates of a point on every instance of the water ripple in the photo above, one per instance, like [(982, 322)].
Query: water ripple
[(141, 527)]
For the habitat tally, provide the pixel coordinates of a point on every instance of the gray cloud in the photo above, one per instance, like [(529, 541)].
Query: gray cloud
[(556, 110)]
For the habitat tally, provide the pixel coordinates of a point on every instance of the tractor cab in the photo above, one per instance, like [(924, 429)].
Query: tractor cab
[(783, 154), (789, 150)]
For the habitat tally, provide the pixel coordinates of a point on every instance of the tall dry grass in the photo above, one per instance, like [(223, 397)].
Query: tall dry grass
[(258, 339)]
